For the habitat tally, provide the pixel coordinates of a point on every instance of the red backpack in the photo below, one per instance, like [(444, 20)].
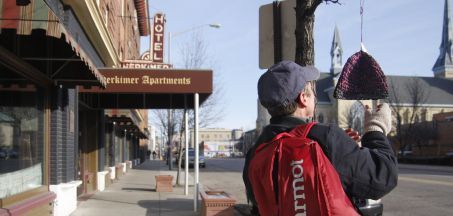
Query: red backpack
[(308, 184)]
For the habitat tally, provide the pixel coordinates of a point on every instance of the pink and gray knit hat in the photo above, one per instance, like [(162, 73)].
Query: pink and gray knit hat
[(361, 79)]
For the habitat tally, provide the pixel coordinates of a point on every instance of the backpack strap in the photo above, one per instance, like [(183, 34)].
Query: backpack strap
[(302, 130), (299, 131)]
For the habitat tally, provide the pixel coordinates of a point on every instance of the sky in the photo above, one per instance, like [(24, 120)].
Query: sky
[(403, 36)]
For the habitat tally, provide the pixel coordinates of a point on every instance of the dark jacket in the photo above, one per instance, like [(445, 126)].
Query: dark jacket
[(369, 172)]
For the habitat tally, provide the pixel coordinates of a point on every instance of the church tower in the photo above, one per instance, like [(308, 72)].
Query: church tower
[(336, 53), (443, 68)]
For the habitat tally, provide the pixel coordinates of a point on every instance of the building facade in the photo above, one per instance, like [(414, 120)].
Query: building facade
[(218, 142), (53, 145), (443, 145)]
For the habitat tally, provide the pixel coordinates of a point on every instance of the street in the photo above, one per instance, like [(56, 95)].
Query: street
[(422, 190)]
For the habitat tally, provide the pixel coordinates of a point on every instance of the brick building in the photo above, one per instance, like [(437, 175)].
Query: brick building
[(54, 146)]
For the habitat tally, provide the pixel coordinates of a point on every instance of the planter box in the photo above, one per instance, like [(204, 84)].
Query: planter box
[(124, 167), (164, 183), (119, 171), (108, 178), (112, 171), (66, 199), (101, 179), (217, 203), (129, 164)]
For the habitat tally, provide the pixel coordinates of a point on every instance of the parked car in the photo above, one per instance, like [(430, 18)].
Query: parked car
[(201, 158), (405, 153), (449, 154), (3, 154), (370, 207), (13, 154), (7, 153)]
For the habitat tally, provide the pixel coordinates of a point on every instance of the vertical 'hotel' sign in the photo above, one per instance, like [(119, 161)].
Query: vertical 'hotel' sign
[(158, 37)]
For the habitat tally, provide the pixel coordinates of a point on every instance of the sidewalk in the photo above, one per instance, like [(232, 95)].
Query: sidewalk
[(134, 194)]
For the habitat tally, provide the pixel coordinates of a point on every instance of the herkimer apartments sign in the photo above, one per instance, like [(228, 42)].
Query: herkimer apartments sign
[(125, 80)]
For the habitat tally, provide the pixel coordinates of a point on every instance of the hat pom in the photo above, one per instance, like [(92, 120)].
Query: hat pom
[(361, 79)]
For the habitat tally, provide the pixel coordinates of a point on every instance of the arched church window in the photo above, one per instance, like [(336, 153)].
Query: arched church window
[(406, 117), (424, 115), (356, 117)]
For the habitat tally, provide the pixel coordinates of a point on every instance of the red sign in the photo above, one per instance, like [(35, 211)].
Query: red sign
[(158, 38)]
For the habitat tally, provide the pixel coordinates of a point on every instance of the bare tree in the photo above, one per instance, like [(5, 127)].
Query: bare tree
[(395, 101), (411, 98), (194, 55), (422, 133), (305, 18), (165, 121)]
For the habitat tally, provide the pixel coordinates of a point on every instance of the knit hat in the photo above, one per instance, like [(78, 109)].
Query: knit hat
[(362, 78)]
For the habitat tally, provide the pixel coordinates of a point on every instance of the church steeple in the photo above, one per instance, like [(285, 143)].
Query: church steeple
[(444, 64), (336, 53)]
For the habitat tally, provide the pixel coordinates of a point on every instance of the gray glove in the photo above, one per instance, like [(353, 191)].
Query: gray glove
[(380, 120)]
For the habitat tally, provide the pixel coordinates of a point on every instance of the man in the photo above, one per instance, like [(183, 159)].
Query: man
[(287, 91)]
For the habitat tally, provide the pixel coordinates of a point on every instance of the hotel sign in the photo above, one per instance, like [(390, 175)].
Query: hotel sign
[(124, 80), (158, 37)]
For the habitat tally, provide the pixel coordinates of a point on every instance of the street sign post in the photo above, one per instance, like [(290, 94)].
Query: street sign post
[(287, 23)]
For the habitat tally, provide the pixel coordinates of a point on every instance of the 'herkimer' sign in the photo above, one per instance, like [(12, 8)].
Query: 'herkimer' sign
[(124, 80), (145, 64)]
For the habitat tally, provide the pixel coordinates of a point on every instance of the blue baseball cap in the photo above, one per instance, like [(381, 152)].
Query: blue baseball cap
[(283, 82)]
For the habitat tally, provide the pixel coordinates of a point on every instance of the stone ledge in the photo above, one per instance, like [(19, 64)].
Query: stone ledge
[(29, 204)]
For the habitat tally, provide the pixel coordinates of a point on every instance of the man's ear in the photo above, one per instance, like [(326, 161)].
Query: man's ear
[(302, 100)]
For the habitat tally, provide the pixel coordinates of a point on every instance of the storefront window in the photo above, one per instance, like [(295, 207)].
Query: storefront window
[(21, 141)]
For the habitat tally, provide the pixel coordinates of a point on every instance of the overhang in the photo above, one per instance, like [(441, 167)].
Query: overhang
[(125, 121), (34, 38), (149, 89), (142, 16)]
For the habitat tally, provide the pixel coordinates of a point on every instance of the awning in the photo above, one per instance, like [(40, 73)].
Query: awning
[(33, 35), (142, 16), (149, 89), (125, 121)]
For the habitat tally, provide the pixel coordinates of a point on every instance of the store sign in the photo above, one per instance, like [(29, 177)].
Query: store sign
[(123, 80), (158, 37)]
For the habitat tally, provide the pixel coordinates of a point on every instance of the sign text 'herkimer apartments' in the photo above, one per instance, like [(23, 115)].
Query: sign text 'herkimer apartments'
[(155, 81), (147, 80)]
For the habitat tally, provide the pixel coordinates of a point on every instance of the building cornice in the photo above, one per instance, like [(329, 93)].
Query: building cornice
[(88, 14)]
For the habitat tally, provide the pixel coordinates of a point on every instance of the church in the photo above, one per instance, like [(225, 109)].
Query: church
[(415, 101)]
